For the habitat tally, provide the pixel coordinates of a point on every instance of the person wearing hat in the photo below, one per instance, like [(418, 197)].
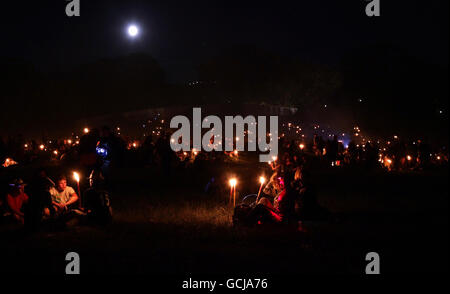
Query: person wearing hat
[(16, 198)]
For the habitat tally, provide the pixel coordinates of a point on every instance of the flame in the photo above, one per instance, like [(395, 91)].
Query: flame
[(76, 176)]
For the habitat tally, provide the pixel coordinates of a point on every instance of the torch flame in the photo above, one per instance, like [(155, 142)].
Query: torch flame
[(76, 176)]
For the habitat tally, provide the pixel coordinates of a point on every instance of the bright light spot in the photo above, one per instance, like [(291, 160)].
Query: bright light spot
[(76, 176), (133, 31), (262, 180), (233, 182), (86, 130)]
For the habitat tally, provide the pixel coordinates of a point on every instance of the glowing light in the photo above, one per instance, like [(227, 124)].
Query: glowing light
[(302, 146), (262, 180), (76, 176), (42, 146), (55, 152), (235, 152), (9, 162), (86, 130), (133, 30), (26, 145), (409, 157), (233, 182)]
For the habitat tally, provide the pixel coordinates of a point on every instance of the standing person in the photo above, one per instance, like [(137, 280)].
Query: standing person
[(16, 199), (63, 196)]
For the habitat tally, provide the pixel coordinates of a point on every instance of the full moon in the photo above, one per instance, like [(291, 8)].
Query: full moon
[(133, 31)]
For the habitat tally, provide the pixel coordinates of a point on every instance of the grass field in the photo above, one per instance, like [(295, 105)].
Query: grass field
[(170, 226)]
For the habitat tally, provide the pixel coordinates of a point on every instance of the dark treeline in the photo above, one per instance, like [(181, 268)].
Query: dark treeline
[(396, 91)]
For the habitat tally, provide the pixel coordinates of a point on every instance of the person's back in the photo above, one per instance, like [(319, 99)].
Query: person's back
[(39, 200), (98, 206)]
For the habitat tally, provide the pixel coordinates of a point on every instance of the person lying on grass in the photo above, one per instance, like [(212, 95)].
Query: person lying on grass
[(63, 196)]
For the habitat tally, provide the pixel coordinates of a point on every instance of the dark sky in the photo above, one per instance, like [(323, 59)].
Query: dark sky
[(181, 34)]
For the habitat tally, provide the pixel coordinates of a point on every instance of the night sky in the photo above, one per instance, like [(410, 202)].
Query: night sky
[(82, 67), (182, 34)]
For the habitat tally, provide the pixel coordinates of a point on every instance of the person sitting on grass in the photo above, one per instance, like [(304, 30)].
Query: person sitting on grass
[(63, 196), (16, 199), (283, 209)]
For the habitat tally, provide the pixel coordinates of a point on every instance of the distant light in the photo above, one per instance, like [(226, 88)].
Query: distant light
[(86, 130), (133, 30)]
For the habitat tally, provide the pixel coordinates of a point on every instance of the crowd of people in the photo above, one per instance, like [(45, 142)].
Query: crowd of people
[(289, 193)]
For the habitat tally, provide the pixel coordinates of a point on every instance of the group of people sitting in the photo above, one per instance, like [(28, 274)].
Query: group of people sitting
[(43, 199), (288, 197)]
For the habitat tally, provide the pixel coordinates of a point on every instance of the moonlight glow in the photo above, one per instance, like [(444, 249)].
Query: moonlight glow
[(133, 31)]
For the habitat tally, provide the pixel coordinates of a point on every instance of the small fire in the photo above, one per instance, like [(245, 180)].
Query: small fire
[(262, 180), (76, 176)]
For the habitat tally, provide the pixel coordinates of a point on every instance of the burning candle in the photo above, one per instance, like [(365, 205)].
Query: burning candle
[(262, 180), (76, 176), (233, 183)]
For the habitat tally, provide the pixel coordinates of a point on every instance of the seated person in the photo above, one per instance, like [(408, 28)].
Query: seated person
[(62, 195), (273, 188), (16, 199), (284, 204)]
